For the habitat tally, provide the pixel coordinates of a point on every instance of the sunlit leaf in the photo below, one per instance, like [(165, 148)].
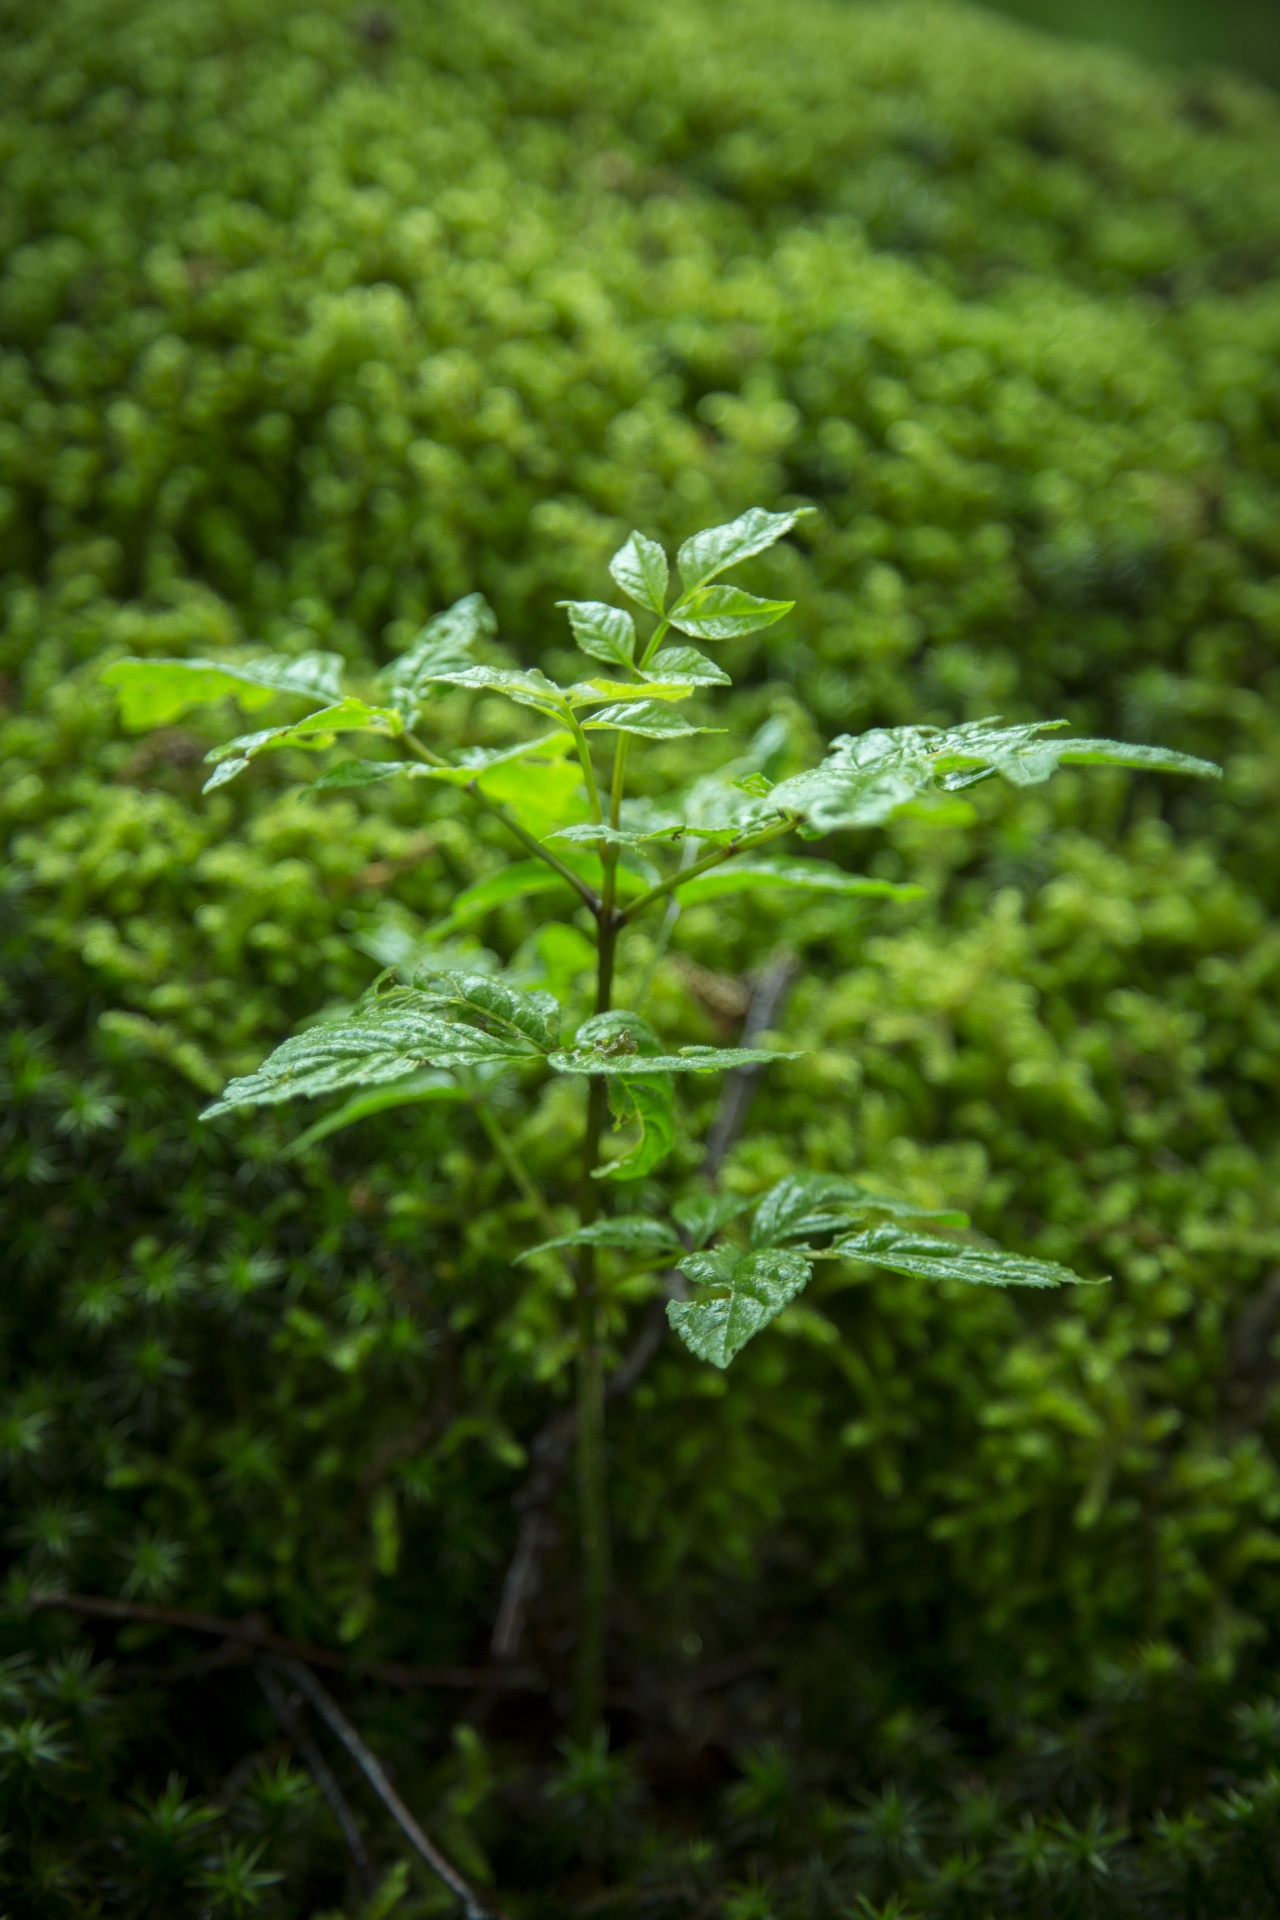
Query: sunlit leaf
[(604, 632), (709, 553), (640, 569), (527, 686), (726, 613), (735, 1295), (629, 1232), (932, 1259), (589, 1059), (812, 876), (154, 693), (388, 1041), (317, 731)]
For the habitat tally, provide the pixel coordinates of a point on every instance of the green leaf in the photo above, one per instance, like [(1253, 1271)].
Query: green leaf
[(650, 1100), (596, 833), (520, 880), (648, 718), (931, 1259), (726, 613), (736, 1295), (442, 647), (528, 687), (365, 773), (640, 569), (606, 633), (685, 667), (709, 553), (316, 732), (806, 1204), (703, 1214), (531, 1016), (629, 1232), (592, 693), (416, 1090), (814, 876), (388, 1041), (1120, 753), (626, 1065), (153, 693)]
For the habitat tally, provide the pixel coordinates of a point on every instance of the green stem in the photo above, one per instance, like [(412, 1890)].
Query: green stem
[(527, 840), (714, 859), (655, 641), (588, 770), (593, 1509), (507, 1152)]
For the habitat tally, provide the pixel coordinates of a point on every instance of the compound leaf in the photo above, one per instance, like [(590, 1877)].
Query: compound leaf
[(527, 686), (710, 552), (604, 632), (726, 613), (153, 693), (317, 731), (649, 718), (806, 1204), (617, 1060), (736, 1294), (640, 569), (931, 1259)]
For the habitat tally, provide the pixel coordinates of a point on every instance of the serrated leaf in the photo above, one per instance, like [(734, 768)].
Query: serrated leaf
[(604, 632), (703, 1214), (922, 1255), (629, 1233), (316, 732), (710, 552), (430, 1086), (387, 1042), (813, 876), (153, 693), (648, 718), (590, 1059), (443, 646), (685, 667), (527, 686), (726, 613), (640, 569), (736, 1294), (804, 1205), (534, 1017), (649, 1100)]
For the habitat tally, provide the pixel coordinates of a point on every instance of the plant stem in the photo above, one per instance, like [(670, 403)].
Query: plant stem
[(684, 874), (588, 769), (593, 1509), (507, 1152), (527, 840)]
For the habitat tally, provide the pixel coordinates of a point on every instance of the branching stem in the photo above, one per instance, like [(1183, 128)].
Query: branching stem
[(714, 859)]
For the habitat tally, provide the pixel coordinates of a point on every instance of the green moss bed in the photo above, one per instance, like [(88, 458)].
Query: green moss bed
[(313, 319)]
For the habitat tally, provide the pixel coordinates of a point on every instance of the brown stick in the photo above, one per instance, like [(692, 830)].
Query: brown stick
[(257, 1633), (329, 1710), (293, 1724), (552, 1447)]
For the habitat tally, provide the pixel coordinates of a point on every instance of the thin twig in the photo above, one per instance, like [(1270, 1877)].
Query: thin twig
[(551, 1449), (257, 1633), (293, 1724), (329, 1710)]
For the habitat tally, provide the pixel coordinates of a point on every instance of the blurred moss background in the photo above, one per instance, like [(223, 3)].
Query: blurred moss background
[(1238, 33)]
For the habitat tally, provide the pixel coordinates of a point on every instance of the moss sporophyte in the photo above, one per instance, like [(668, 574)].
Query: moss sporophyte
[(614, 859)]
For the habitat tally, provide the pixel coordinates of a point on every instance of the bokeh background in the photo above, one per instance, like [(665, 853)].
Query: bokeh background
[(1239, 33)]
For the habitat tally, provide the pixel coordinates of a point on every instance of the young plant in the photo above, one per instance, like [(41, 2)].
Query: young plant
[(449, 1031)]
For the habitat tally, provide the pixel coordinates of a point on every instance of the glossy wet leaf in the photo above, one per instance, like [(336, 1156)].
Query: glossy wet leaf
[(640, 569), (703, 1214), (711, 552), (929, 1258), (648, 1101), (684, 667), (387, 1042), (443, 646), (812, 876), (650, 719), (726, 613), (734, 1294), (804, 1205), (315, 733), (604, 632), (534, 1017), (588, 1059)]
